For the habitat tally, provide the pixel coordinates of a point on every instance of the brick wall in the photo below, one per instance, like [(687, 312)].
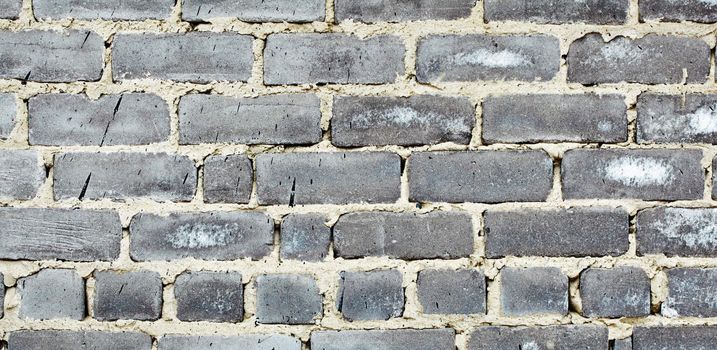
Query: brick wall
[(340, 174)]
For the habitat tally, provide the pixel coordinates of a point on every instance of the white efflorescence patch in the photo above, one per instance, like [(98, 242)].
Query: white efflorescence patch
[(530, 346), (406, 116), (639, 171), (709, 2), (620, 49), (701, 224), (667, 311), (203, 235), (487, 58), (703, 120)]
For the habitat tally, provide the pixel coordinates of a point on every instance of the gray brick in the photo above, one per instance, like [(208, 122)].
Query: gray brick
[(209, 296), (207, 236), (215, 342), (400, 339), (575, 232), (452, 292), (2, 295), (483, 177), (288, 299), (483, 57), (102, 9), (400, 11), (127, 119), (585, 337), (558, 12), (10, 9), (652, 59), (332, 58), (124, 175), (617, 292), (8, 110), (62, 234), (714, 178), (329, 178), (127, 296), (416, 120), (373, 295), (702, 11), (533, 291), (554, 118), (648, 174), (52, 294), (22, 174), (677, 118), (677, 232), (305, 237), (691, 292), (279, 119), (301, 11), (622, 344), (198, 57), (73, 340), (228, 179), (48, 56), (682, 337), (406, 236)]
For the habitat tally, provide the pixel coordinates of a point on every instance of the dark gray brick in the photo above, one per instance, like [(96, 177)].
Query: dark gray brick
[(617, 292), (667, 338), (73, 340), (127, 296), (574, 232), (586, 337), (280, 119), (8, 110), (406, 236), (677, 118), (215, 342), (210, 296), (198, 57), (400, 339), (287, 299), (124, 175), (52, 294), (483, 177), (691, 292), (62, 234), (622, 344), (677, 232), (207, 236), (305, 237), (533, 291), (22, 174), (452, 292), (10, 9), (127, 119), (649, 174), (554, 118), (416, 120), (482, 57), (102, 9), (652, 59), (332, 58), (228, 179), (702, 11), (48, 56), (558, 12), (373, 295), (400, 10), (301, 11), (331, 178)]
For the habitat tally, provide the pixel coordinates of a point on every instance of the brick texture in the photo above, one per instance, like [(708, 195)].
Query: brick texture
[(558, 12), (103, 9), (678, 10), (677, 232), (400, 11), (676, 118), (52, 294), (210, 296), (8, 110), (252, 11)]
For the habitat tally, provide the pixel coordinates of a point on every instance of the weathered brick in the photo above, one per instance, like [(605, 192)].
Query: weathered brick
[(677, 118), (406, 236), (416, 120), (198, 57), (209, 296), (533, 291), (617, 292), (22, 174), (373, 11), (215, 342), (554, 118), (127, 296), (649, 174), (228, 179), (483, 57), (400, 339), (52, 294), (584, 337), (8, 110), (702, 11), (556, 232), (558, 12), (305, 237), (208, 236), (127, 119), (62, 234), (48, 56), (102, 9), (652, 59), (332, 58), (255, 11), (484, 177), (2, 295), (288, 299), (622, 344), (293, 119), (373, 295), (331, 178), (682, 337), (691, 292), (677, 232), (10, 9), (452, 292), (124, 175), (73, 340)]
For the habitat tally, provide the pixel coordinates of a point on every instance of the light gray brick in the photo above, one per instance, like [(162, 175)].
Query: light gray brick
[(372, 11), (207, 236), (198, 57), (52, 294), (287, 299), (481, 177), (373, 295), (533, 291), (332, 58), (209, 296), (680, 337), (575, 232), (652, 59), (452, 292), (554, 118), (686, 118), (305, 237), (73, 340), (406, 236), (103, 9), (127, 296), (691, 293), (702, 11), (8, 110), (124, 175), (49, 56), (400, 339), (677, 232), (293, 119), (22, 174), (558, 12), (127, 119), (482, 57), (328, 178), (215, 342), (416, 120), (2, 295), (714, 178), (228, 179), (649, 174), (10, 9), (617, 292), (296, 11), (585, 337)]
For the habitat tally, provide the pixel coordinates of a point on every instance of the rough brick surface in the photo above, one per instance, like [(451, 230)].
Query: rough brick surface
[(52, 294), (676, 118), (403, 339), (103, 9), (622, 344), (8, 110), (373, 295), (677, 232), (210, 296), (685, 337), (558, 12), (22, 174), (2, 296), (288, 299), (691, 292), (702, 11), (533, 291), (213, 342), (617, 292), (555, 337), (300, 11), (127, 296), (305, 237), (372, 11), (73, 340), (452, 292), (228, 179), (10, 9)]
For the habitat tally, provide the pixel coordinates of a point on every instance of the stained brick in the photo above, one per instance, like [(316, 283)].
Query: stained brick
[(617, 292), (400, 11), (677, 118), (305, 237), (215, 342), (452, 292), (554, 337), (374, 295), (691, 292), (253, 11), (209, 296), (127, 296), (10, 9), (102, 9), (288, 299), (558, 12), (52, 294), (677, 232), (228, 179), (684, 337), (533, 291), (702, 11), (401, 339), (22, 174), (8, 110), (73, 340)]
